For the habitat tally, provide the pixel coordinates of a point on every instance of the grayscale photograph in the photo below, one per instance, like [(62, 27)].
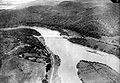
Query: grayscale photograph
[(59, 41)]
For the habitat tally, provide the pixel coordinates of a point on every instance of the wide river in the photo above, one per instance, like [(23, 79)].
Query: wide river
[(70, 54)]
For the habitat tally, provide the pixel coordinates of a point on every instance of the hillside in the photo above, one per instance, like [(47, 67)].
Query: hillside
[(85, 19)]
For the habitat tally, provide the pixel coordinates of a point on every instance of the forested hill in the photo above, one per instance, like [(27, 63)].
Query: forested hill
[(85, 19)]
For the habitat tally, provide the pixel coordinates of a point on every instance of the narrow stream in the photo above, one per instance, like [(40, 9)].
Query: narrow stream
[(70, 54)]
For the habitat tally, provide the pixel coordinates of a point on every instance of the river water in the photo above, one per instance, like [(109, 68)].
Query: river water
[(70, 54)]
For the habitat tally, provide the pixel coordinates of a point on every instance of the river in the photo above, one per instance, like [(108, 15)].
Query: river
[(70, 54)]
